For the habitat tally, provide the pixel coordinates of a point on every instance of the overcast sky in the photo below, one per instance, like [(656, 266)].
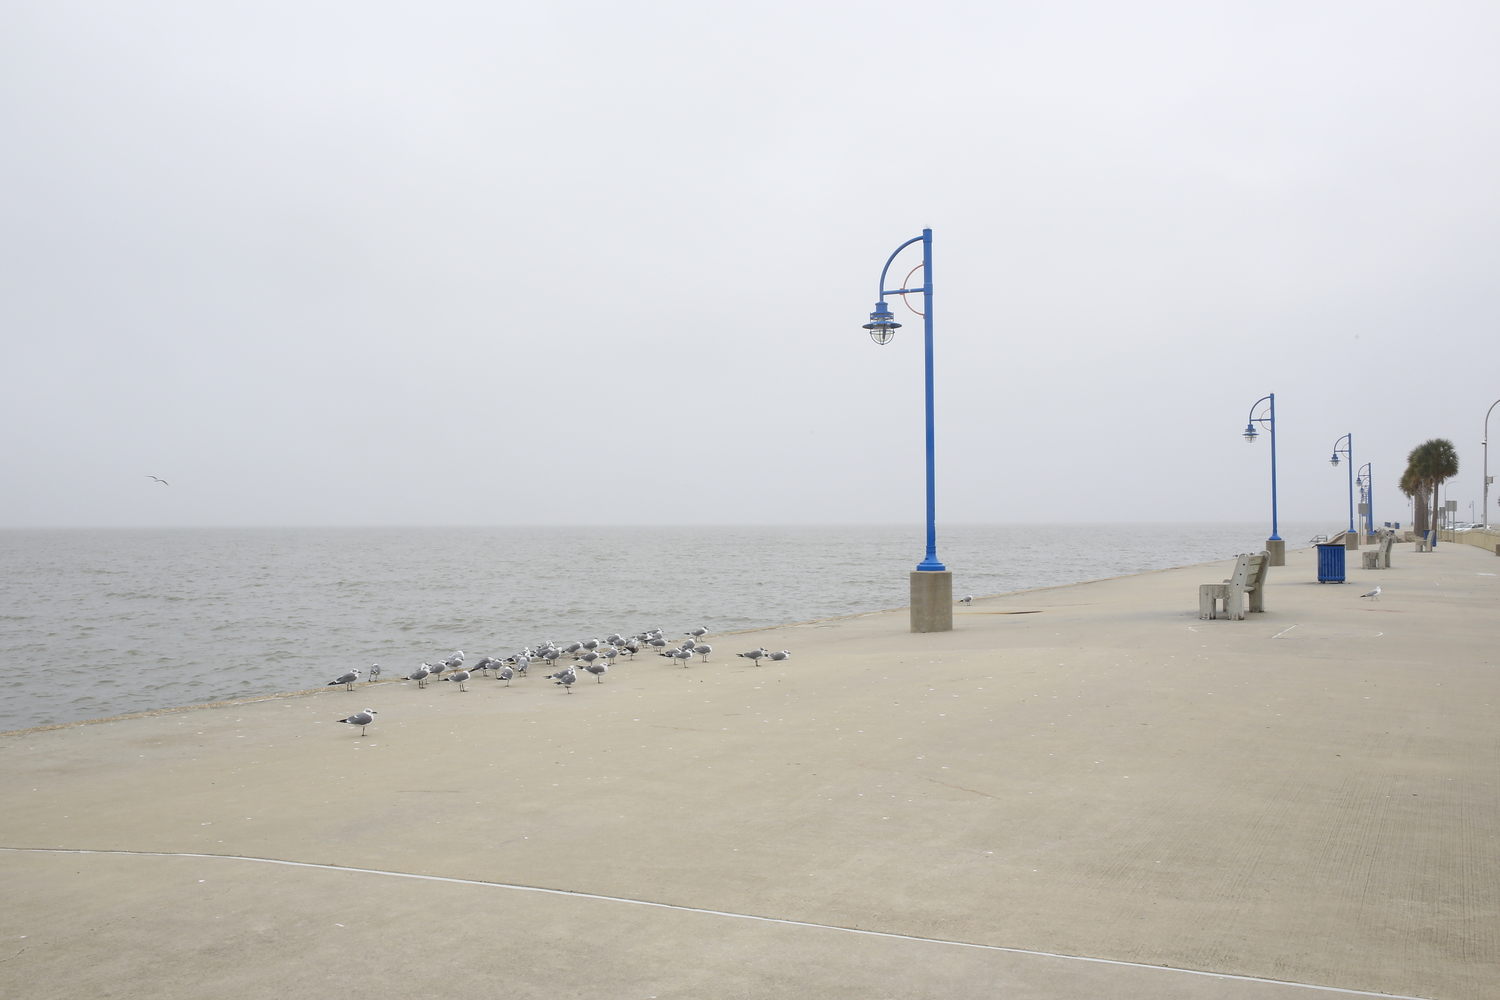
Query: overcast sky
[(326, 263)]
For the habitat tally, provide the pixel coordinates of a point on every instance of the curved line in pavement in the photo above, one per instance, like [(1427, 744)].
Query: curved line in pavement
[(717, 913)]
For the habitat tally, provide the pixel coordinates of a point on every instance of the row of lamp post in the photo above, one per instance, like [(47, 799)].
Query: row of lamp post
[(1263, 414), (932, 582)]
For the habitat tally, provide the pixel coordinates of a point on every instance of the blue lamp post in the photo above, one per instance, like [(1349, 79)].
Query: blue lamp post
[(1348, 452), (1267, 419), (1365, 480), (932, 584)]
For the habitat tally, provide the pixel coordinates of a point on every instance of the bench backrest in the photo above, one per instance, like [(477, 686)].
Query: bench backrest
[(1241, 577), (1259, 564)]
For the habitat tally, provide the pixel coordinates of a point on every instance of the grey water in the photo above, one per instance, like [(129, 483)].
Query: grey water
[(95, 623)]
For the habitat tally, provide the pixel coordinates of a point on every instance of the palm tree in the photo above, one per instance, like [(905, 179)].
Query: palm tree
[(1430, 464), (1413, 487)]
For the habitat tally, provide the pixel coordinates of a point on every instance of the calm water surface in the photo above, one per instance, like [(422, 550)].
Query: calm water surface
[(103, 622)]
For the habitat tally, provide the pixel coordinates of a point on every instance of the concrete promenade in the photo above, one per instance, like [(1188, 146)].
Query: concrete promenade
[(1078, 792)]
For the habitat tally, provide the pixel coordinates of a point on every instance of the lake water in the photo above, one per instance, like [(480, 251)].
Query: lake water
[(96, 623)]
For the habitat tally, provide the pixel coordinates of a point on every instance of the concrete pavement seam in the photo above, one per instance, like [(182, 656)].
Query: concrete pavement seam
[(716, 913)]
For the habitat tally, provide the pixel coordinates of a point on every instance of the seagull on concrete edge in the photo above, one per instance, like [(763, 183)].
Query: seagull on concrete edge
[(755, 654), (967, 600), (361, 719), (1373, 595), (345, 679), (374, 672)]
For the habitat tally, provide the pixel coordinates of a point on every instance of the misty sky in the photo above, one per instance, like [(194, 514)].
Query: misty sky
[(325, 263)]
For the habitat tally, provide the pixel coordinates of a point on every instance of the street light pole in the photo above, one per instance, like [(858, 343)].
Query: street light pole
[(931, 582), (1274, 544), (1348, 452), (1365, 480), (1486, 442)]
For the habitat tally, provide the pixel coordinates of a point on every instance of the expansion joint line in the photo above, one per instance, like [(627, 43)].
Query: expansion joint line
[(782, 921)]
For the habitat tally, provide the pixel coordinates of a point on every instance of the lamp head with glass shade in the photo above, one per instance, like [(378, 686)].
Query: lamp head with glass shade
[(1334, 461), (1251, 434), (882, 325)]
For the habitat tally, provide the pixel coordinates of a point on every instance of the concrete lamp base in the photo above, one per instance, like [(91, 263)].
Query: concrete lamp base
[(932, 600), (1277, 548)]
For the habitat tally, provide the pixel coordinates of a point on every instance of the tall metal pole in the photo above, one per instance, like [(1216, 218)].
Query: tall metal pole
[(1351, 484), (1348, 453), (1486, 519), (931, 583), (931, 560), (1275, 534), (1367, 496)]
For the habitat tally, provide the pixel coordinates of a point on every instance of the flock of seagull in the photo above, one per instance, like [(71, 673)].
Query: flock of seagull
[(591, 655)]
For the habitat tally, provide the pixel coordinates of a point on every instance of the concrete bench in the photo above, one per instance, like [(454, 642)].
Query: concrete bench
[(1249, 580), (1380, 556)]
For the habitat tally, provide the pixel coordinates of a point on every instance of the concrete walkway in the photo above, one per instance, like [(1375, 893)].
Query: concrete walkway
[(1078, 792)]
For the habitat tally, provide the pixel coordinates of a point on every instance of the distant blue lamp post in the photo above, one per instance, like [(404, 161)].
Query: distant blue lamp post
[(1365, 480), (1267, 419), (932, 584), (1348, 452)]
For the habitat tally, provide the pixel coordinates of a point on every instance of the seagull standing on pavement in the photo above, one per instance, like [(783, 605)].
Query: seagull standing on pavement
[(967, 600), (505, 674), (755, 654), (361, 719), (419, 675), (374, 672), (566, 678), (345, 679), (1373, 595), (460, 676)]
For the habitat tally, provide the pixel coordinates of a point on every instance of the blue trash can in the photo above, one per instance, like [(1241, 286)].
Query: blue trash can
[(1331, 563)]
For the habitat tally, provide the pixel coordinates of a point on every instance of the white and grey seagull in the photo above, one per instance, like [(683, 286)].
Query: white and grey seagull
[(361, 719), (755, 654), (1373, 595), (345, 679), (460, 676), (785, 654), (966, 600)]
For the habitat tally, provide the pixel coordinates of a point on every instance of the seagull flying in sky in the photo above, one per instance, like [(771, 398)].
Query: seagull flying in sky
[(162, 481)]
